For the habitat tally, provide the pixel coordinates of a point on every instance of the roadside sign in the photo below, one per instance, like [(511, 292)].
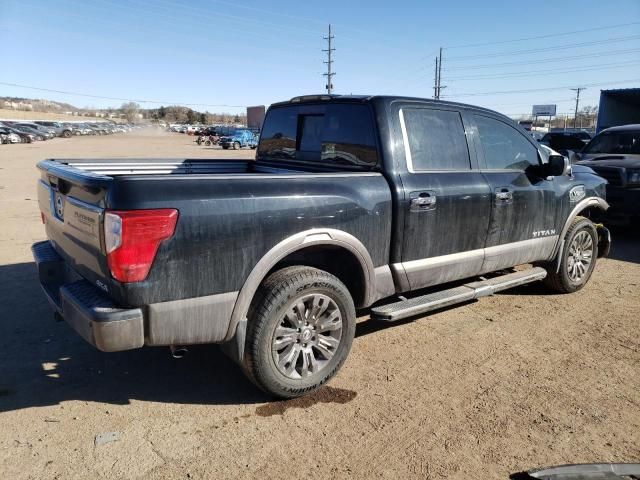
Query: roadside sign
[(544, 111)]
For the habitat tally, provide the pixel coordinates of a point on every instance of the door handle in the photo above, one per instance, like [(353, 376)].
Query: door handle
[(422, 201), (504, 195)]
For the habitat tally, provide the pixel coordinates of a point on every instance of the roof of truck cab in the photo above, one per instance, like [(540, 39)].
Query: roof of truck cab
[(321, 98)]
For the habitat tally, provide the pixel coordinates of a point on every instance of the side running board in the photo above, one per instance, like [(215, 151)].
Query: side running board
[(469, 291)]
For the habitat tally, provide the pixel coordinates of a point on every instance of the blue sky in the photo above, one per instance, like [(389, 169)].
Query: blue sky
[(220, 55)]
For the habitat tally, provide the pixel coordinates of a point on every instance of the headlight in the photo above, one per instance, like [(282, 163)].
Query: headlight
[(633, 176)]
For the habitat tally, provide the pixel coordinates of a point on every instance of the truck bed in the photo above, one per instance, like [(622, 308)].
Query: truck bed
[(231, 212)]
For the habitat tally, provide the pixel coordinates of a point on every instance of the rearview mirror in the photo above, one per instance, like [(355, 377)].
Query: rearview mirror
[(558, 165)]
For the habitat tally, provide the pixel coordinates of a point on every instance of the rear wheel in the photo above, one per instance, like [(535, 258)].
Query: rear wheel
[(236, 145), (578, 258), (300, 331)]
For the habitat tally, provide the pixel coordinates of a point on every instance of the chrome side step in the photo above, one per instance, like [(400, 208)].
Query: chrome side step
[(469, 291)]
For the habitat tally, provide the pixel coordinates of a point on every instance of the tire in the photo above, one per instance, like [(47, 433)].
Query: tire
[(225, 147), (578, 258), (302, 359), (236, 145), (66, 133)]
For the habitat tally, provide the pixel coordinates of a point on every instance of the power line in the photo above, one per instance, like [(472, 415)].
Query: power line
[(546, 49), (329, 62), (538, 37), (544, 60), (77, 94), (552, 71), (505, 92)]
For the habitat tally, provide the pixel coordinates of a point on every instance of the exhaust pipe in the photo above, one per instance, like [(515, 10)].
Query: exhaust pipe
[(178, 351)]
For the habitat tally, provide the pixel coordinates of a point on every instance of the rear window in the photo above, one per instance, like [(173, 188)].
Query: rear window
[(334, 133)]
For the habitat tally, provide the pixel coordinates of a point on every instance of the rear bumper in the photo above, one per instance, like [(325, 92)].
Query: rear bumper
[(111, 328), (84, 307)]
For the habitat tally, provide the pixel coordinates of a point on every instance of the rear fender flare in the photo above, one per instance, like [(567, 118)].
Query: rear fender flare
[(316, 236)]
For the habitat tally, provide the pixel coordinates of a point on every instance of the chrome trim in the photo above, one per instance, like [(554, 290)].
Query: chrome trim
[(516, 253), (81, 204), (316, 236), (405, 141), (456, 266)]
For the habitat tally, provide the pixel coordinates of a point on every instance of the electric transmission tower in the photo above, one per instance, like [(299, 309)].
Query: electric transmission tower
[(329, 62)]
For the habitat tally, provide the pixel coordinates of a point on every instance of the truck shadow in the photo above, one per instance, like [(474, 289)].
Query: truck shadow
[(43, 362)]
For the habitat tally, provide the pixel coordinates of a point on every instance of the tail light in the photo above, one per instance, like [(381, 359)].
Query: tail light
[(132, 238)]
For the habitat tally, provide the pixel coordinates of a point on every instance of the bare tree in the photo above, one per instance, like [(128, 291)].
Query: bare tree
[(130, 110)]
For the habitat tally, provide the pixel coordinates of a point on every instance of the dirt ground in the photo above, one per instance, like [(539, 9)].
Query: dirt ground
[(508, 383)]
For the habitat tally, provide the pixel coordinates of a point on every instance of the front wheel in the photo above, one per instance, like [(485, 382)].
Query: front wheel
[(301, 326), (578, 258), (236, 145)]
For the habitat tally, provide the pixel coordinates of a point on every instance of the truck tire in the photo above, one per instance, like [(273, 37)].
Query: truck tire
[(299, 332), (236, 145), (578, 258)]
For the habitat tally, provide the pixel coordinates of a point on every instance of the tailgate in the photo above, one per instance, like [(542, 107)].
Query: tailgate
[(72, 202)]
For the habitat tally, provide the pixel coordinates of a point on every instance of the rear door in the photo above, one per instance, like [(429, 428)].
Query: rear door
[(448, 198), (525, 209)]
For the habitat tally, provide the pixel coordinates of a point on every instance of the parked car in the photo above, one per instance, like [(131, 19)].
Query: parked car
[(60, 129), (615, 155), (23, 129), (15, 136), (85, 129), (563, 142), (46, 131), (351, 202), (8, 136), (239, 139)]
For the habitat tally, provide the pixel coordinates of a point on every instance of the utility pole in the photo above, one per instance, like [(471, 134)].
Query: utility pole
[(575, 115), (435, 81), (329, 62), (440, 73)]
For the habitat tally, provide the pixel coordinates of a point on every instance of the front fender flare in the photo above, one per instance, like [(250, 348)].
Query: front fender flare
[(579, 208)]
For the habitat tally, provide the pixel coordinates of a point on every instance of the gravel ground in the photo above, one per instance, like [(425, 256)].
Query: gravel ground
[(505, 384)]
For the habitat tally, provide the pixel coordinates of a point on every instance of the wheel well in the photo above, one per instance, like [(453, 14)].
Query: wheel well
[(593, 213), (336, 260)]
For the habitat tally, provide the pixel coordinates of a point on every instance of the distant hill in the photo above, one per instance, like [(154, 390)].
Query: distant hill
[(36, 105)]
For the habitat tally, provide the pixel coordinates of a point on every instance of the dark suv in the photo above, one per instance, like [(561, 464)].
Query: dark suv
[(615, 155)]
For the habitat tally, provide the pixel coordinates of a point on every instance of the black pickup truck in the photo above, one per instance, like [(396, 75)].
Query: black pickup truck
[(352, 202)]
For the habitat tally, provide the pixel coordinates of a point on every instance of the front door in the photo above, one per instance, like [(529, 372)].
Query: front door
[(525, 209), (448, 200)]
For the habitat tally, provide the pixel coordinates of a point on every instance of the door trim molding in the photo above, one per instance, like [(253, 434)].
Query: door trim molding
[(425, 272)]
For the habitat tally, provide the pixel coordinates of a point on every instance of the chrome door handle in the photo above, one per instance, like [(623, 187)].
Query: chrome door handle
[(422, 201), (504, 195)]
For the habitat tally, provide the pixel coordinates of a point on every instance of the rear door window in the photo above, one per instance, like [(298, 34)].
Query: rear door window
[(435, 140), (333, 133)]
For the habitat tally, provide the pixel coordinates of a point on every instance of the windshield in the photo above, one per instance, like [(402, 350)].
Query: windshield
[(615, 142)]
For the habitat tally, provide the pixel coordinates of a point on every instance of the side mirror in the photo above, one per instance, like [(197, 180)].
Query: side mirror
[(558, 165)]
